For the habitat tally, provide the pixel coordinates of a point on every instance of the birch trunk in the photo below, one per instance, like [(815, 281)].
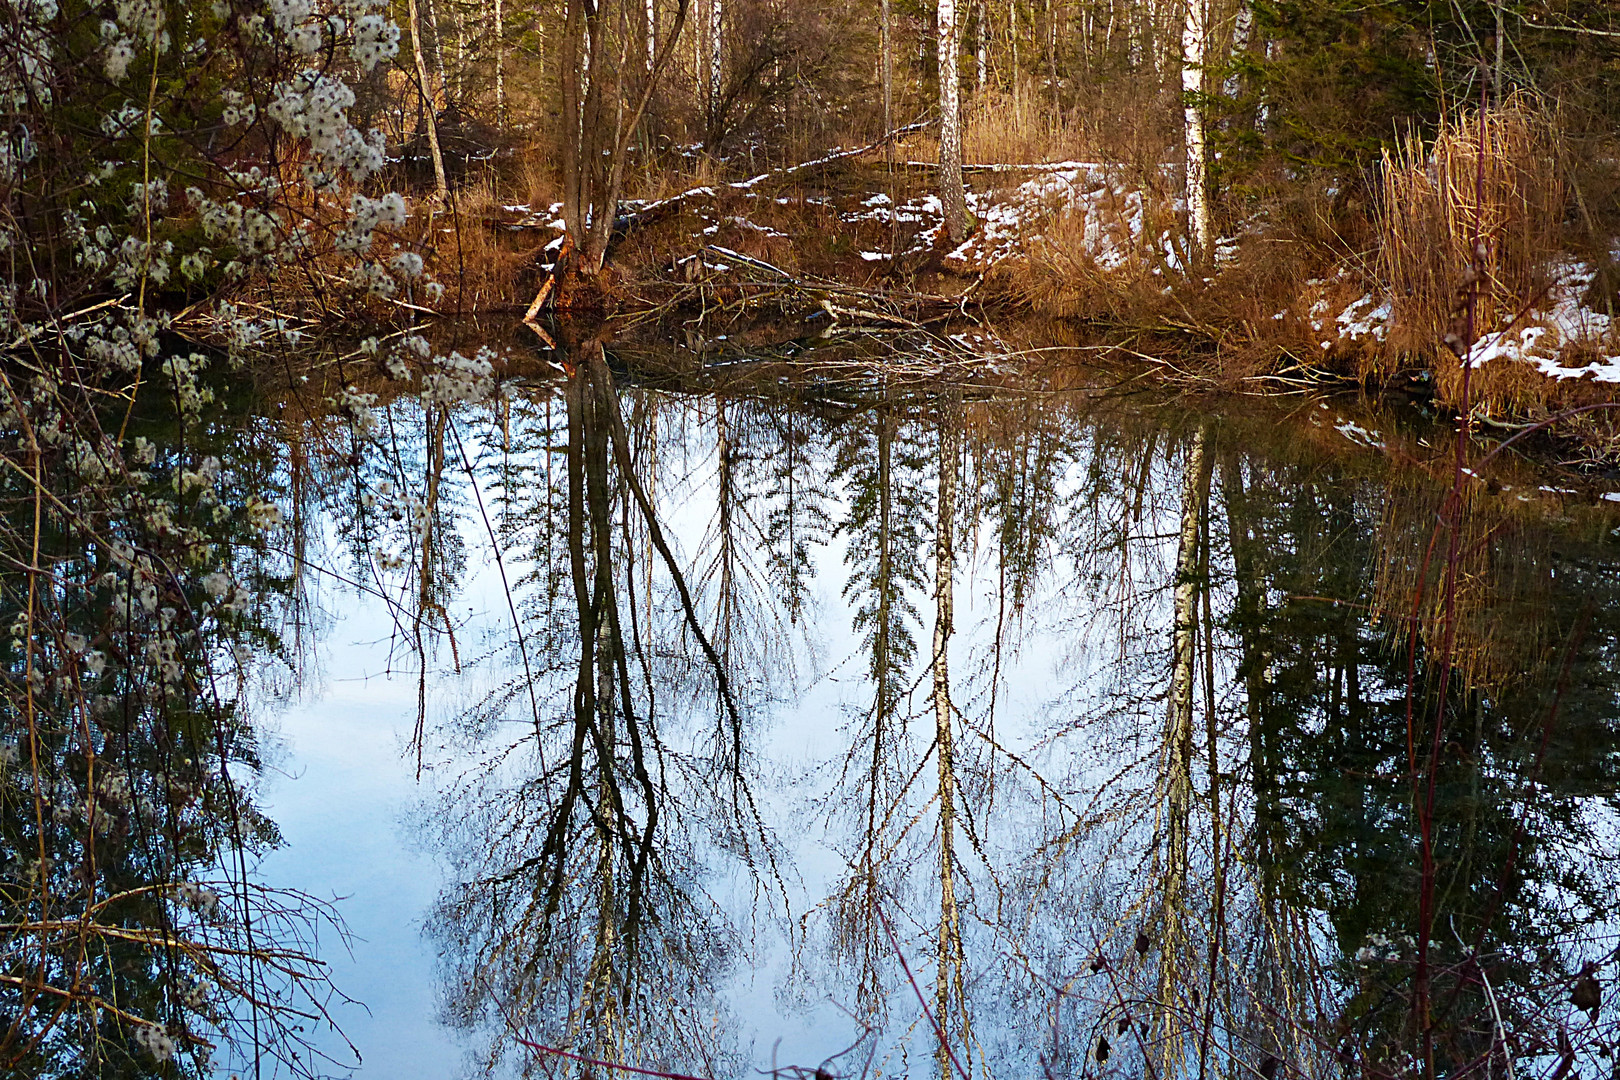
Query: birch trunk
[(459, 17), (500, 64), (950, 984), (1241, 30), (1194, 40), (652, 34), (716, 54), (1177, 771), (412, 15), (982, 54), (950, 124), (438, 49)]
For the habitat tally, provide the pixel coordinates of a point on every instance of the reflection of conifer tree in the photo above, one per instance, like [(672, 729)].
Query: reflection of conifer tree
[(1333, 830), (797, 520), (1017, 476), (1023, 471), (878, 465)]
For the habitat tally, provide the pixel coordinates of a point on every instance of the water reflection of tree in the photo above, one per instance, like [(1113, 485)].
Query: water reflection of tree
[(586, 851), (1206, 865), (1272, 917)]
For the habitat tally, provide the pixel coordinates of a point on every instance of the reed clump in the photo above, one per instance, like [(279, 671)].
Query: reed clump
[(1481, 205)]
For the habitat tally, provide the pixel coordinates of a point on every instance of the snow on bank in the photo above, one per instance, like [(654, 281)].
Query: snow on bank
[(1547, 338), (1113, 211)]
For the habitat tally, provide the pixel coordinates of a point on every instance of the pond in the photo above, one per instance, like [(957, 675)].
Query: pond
[(756, 720)]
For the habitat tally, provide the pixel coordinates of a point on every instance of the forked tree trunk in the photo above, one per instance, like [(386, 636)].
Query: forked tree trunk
[(1194, 41), (600, 115), (950, 124)]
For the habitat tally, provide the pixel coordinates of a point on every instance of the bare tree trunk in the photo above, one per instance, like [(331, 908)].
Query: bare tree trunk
[(716, 55), (438, 50), (573, 140), (1012, 42), (500, 64), (440, 187), (1177, 770), (1194, 41), (460, 19), (1501, 42), (600, 115), (950, 124), (652, 34), (983, 52), (950, 985), (886, 76)]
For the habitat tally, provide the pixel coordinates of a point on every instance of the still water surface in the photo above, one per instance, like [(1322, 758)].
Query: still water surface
[(711, 731)]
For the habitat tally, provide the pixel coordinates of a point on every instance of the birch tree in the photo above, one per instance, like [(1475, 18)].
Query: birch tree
[(715, 63), (500, 64), (1194, 42), (950, 124), (1176, 783)]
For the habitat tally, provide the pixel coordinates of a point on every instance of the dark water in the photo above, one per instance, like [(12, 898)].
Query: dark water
[(638, 720)]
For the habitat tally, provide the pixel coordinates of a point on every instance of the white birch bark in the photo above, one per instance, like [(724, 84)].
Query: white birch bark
[(982, 59), (652, 34), (1194, 40), (951, 976), (1177, 766), (460, 19), (438, 50), (950, 124), (500, 64), (1241, 30), (716, 67)]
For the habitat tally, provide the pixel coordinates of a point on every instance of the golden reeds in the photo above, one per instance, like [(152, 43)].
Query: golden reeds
[(1490, 182)]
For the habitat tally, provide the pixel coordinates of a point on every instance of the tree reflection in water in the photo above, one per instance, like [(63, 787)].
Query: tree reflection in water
[(1162, 821)]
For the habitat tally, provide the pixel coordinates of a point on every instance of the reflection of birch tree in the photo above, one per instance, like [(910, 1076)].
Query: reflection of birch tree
[(1176, 768), (950, 989)]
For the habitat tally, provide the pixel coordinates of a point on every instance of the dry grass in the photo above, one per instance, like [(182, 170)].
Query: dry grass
[(483, 264), (1017, 128), (1490, 181), (1009, 128), (1061, 278)]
